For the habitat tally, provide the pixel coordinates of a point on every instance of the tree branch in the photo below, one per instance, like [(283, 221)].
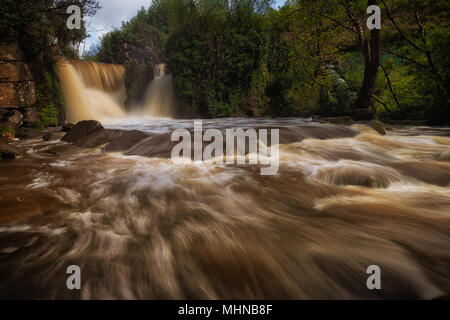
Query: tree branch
[(390, 85), (406, 58), (388, 13)]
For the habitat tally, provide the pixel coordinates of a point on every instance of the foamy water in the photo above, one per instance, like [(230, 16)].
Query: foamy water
[(141, 226)]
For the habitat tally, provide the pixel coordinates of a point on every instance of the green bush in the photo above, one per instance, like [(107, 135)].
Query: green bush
[(48, 116)]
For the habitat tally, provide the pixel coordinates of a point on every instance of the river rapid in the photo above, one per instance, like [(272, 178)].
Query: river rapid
[(140, 226)]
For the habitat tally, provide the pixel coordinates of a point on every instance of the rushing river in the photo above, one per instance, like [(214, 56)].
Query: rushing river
[(143, 227)]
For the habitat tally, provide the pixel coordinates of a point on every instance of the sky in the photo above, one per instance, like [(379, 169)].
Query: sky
[(111, 15)]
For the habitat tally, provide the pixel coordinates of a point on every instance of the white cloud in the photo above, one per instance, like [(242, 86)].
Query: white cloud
[(111, 15)]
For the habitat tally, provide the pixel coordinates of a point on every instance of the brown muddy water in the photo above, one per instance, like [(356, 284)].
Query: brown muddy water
[(142, 227)]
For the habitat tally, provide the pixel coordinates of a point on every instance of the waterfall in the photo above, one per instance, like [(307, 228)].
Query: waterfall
[(160, 98), (92, 91), (96, 91)]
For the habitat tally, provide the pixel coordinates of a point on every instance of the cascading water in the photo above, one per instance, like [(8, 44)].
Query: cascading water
[(160, 99), (141, 226), (96, 91), (92, 91)]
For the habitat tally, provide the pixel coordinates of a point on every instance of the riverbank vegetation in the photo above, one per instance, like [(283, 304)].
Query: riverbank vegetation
[(39, 29), (243, 57)]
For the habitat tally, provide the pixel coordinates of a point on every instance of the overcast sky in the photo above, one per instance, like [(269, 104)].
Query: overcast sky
[(113, 12), (111, 15)]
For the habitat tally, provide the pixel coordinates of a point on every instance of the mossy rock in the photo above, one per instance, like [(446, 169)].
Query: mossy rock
[(8, 130), (378, 127)]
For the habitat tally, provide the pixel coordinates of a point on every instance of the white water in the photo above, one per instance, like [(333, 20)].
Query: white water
[(143, 227), (95, 91), (83, 103), (160, 98)]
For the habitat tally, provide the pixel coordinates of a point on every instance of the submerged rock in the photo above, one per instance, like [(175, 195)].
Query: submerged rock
[(378, 127)]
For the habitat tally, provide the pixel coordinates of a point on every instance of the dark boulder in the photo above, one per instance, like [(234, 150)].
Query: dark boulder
[(125, 140), (79, 134), (9, 152), (90, 134), (67, 126), (115, 140)]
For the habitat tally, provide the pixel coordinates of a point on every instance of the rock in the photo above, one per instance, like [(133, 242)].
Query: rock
[(52, 136), (30, 117), (339, 120), (14, 72), (9, 126), (10, 52), (80, 132), (17, 94), (9, 152), (115, 140), (125, 140), (378, 127), (3, 113), (30, 134), (66, 127), (15, 116), (90, 134)]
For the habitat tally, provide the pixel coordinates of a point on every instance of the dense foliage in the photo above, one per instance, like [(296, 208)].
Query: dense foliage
[(39, 28), (244, 57)]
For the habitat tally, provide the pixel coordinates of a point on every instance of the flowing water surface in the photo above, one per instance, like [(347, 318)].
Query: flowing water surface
[(143, 227)]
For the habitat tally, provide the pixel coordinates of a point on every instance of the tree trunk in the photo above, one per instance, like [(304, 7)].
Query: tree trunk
[(372, 57)]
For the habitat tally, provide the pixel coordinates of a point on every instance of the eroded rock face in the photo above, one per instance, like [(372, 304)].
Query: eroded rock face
[(17, 94), (14, 71), (17, 88)]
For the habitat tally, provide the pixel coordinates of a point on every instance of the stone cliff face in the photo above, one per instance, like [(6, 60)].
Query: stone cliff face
[(17, 88)]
